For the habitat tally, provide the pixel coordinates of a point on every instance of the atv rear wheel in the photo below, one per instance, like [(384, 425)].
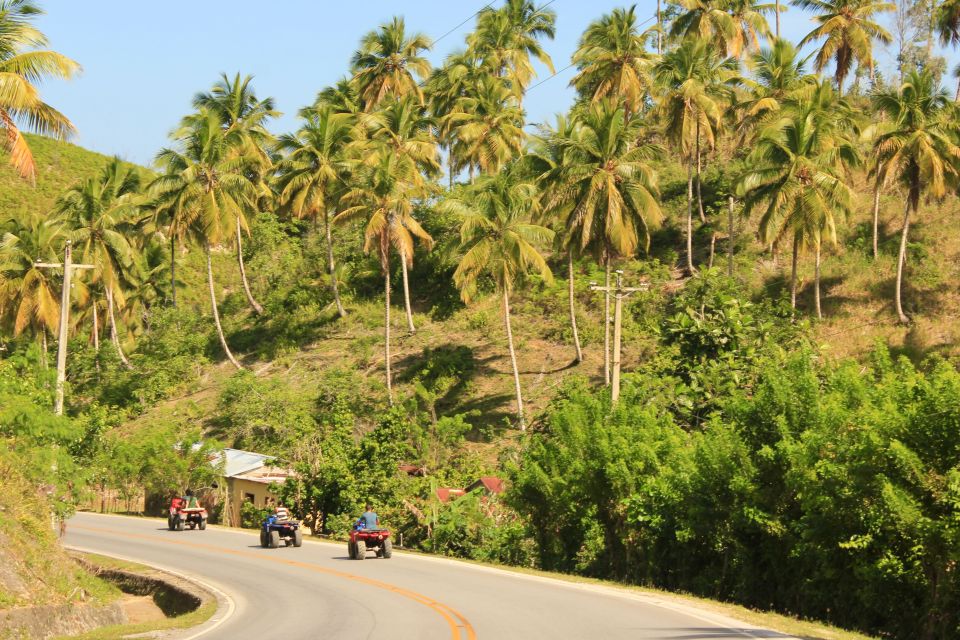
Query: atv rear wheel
[(202, 525), (263, 538), (179, 524), (361, 550), (350, 552), (170, 523), (274, 539), (387, 548), (297, 538)]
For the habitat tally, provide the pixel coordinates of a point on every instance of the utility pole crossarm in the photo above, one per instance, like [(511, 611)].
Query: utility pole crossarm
[(619, 293)]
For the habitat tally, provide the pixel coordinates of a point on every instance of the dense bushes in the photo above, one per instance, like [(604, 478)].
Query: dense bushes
[(819, 490)]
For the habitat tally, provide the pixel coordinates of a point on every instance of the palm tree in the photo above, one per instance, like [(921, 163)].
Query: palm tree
[(29, 296), (848, 30), (611, 61), (919, 150), (236, 106), (207, 188), (101, 212), (401, 128), (947, 22), (22, 67), (605, 188), (694, 84), (507, 38), (796, 178), (549, 157), (732, 26), (383, 196), (499, 242), (487, 126), (446, 89), (386, 63), (779, 74), (311, 177)]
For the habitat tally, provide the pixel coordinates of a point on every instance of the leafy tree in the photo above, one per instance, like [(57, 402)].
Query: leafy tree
[(499, 241), (22, 67)]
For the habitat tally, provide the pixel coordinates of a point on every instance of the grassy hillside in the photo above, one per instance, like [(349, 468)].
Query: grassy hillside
[(34, 569), (304, 349), (60, 165)]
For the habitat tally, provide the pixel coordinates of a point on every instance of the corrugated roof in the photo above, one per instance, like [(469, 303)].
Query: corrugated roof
[(238, 461)]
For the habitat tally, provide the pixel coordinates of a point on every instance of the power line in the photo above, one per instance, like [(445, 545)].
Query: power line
[(471, 17), (555, 74)]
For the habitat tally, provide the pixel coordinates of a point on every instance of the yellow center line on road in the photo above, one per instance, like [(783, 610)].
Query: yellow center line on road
[(460, 627)]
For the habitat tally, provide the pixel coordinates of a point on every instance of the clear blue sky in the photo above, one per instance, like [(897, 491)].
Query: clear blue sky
[(144, 60)]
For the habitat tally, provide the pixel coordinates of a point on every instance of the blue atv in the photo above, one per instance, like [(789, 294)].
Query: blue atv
[(272, 531)]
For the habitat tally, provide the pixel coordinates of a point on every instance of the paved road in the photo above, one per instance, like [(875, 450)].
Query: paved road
[(316, 592)]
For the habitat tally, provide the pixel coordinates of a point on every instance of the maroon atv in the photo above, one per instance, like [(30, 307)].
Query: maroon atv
[(180, 515), (363, 539)]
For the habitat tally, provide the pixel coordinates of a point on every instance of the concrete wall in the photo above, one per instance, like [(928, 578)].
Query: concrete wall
[(241, 490)]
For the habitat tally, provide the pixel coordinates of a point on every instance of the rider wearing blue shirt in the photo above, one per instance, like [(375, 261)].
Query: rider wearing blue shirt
[(369, 520)]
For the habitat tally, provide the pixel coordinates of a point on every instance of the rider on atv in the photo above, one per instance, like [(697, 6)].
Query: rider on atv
[(369, 520)]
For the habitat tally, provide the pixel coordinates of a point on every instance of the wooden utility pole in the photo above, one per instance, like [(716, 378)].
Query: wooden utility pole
[(619, 293), (68, 268)]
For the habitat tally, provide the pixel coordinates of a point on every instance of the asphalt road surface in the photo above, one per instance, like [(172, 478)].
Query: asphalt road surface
[(316, 592)]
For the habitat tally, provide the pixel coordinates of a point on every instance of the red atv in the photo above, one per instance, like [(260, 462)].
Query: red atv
[(181, 515), (363, 539)]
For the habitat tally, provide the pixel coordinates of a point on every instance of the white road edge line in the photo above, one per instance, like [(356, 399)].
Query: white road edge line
[(217, 619), (740, 627)]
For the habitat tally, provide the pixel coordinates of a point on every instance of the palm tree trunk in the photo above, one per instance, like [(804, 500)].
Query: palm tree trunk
[(513, 360), (257, 309), (173, 271), (876, 217), (901, 259), (114, 338), (96, 327), (956, 97), (703, 217), (816, 282), (731, 236), (660, 30), (690, 268), (778, 20), (332, 267), (406, 295), (573, 314), (386, 326), (606, 322), (216, 311), (793, 272), (43, 349)]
